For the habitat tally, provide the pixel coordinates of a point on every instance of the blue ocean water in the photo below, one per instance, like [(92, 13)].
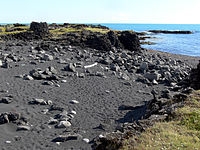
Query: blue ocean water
[(186, 44)]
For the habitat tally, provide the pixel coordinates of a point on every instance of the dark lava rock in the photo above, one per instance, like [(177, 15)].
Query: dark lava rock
[(6, 100), (70, 67), (99, 41), (170, 32), (194, 78), (40, 29), (9, 117), (103, 41), (112, 36), (47, 74), (130, 40)]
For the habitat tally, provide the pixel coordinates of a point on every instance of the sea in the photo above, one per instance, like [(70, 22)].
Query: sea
[(185, 44)]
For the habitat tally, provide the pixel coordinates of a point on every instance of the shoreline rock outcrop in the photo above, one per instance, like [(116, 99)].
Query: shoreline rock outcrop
[(170, 32), (194, 78), (41, 29), (84, 38)]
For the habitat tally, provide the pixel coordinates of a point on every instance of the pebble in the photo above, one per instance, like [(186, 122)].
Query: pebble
[(58, 143), (73, 112), (6, 100), (63, 81), (47, 83), (107, 91), (1, 63), (63, 124), (52, 121), (101, 136), (100, 74), (86, 140), (71, 116), (155, 82), (47, 57), (57, 85), (74, 102), (70, 67), (8, 142), (28, 77), (39, 100), (23, 127), (45, 111), (49, 102), (81, 75)]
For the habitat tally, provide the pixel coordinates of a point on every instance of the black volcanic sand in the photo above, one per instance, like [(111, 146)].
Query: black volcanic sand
[(99, 96)]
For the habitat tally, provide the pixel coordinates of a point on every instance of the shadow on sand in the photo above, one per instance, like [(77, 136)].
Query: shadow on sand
[(135, 113)]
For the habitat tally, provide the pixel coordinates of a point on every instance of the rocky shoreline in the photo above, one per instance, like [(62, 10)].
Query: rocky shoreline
[(62, 91), (170, 32)]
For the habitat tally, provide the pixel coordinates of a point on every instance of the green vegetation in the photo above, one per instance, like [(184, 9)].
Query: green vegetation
[(63, 30), (97, 30), (60, 31), (181, 132), (10, 29)]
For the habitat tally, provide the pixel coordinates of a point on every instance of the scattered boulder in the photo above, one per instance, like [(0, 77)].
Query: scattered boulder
[(9, 117), (23, 128), (70, 67), (144, 66), (152, 76), (6, 100), (48, 57), (47, 74), (28, 77), (40, 101), (63, 124)]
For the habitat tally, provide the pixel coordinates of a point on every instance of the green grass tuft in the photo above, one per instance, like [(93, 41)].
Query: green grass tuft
[(181, 133)]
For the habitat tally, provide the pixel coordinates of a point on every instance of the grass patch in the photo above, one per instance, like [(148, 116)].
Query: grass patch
[(97, 30), (182, 132), (10, 27), (22, 27), (2, 29), (14, 32), (64, 30), (70, 28)]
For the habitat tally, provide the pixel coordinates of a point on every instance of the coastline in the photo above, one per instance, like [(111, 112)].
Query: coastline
[(63, 104)]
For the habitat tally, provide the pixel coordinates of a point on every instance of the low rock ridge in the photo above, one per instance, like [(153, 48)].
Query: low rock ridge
[(170, 32), (77, 35)]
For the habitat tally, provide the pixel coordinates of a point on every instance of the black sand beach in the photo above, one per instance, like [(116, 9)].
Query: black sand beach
[(67, 95)]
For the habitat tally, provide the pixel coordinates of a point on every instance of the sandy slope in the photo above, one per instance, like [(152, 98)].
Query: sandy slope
[(99, 99)]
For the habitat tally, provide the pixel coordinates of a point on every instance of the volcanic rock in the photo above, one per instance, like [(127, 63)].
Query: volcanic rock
[(194, 78), (130, 41), (40, 29), (70, 67)]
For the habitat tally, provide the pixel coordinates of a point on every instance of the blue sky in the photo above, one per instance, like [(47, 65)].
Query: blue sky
[(101, 11)]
